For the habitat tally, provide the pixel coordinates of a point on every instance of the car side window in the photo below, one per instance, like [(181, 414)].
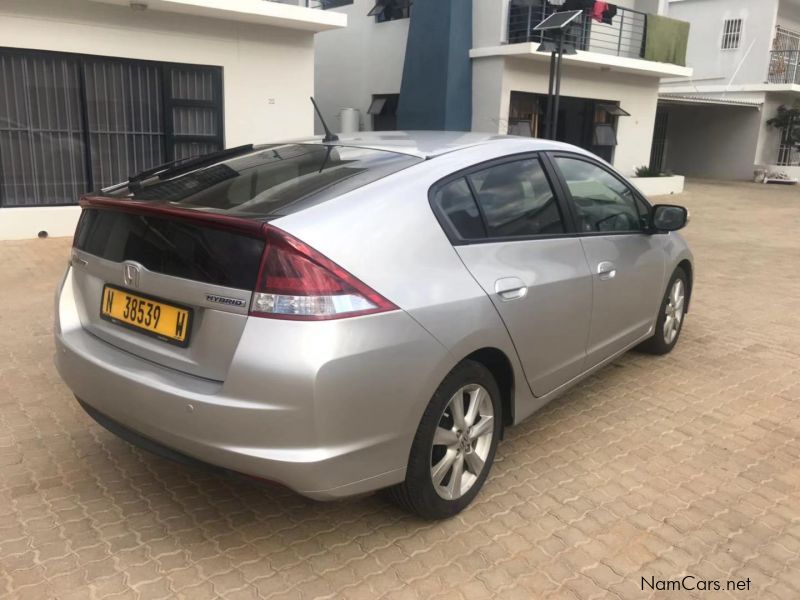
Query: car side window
[(602, 202), (517, 200), (455, 200)]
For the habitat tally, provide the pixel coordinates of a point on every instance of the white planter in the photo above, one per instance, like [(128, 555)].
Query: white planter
[(659, 186), (793, 172)]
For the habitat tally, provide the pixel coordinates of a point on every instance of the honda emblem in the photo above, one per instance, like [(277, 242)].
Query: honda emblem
[(130, 275)]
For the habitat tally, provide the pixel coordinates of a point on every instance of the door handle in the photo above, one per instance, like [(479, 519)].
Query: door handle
[(606, 270), (510, 288)]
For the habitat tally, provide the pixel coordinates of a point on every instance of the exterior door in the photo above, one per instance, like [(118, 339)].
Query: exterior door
[(515, 242), (626, 262)]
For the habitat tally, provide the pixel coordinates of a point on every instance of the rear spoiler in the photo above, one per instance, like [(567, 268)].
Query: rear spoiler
[(245, 226)]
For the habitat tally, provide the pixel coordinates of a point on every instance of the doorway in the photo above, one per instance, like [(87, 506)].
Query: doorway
[(584, 122)]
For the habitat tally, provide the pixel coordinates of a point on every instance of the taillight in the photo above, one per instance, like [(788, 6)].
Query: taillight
[(297, 282)]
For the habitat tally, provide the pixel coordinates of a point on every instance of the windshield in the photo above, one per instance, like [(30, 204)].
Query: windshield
[(274, 180)]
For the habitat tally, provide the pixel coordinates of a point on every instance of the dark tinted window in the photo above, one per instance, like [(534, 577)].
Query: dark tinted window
[(172, 247), (602, 202), (275, 180), (517, 200), (456, 202)]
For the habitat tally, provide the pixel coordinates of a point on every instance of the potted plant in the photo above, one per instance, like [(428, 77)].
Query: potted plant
[(787, 121), (654, 182), (647, 171)]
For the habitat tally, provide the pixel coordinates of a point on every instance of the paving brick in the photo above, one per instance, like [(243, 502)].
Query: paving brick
[(653, 466)]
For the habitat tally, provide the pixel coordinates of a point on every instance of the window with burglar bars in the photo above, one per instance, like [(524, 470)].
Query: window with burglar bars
[(732, 34), (73, 123), (788, 154)]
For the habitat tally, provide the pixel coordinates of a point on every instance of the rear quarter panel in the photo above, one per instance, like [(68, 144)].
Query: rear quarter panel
[(387, 235)]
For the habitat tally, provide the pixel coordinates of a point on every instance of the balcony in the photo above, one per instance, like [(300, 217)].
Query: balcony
[(784, 62), (622, 33), (623, 37)]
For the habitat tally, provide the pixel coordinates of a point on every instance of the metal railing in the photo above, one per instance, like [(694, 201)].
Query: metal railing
[(784, 66), (784, 61), (788, 154), (624, 35)]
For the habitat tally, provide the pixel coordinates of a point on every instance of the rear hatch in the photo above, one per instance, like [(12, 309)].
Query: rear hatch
[(165, 267)]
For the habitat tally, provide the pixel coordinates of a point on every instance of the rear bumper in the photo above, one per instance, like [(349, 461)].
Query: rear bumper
[(328, 409)]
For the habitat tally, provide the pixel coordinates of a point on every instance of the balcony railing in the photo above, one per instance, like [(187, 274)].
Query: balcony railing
[(624, 35), (784, 62)]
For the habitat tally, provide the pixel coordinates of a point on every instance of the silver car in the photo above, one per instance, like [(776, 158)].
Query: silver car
[(362, 314)]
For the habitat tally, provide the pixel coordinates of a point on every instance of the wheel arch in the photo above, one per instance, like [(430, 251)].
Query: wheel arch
[(499, 365)]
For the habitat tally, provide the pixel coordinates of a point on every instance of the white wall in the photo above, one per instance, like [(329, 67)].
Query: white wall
[(636, 94), (711, 64), (489, 22), (260, 63), (354, 63), (789, 15)]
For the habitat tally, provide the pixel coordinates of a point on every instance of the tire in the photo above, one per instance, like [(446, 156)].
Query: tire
[(664, 340), (418, 493)]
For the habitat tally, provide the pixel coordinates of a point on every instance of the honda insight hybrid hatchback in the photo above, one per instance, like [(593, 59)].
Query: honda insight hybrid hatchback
[(361, 314)]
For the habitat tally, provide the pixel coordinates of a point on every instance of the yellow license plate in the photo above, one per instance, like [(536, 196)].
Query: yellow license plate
[(146, 315)]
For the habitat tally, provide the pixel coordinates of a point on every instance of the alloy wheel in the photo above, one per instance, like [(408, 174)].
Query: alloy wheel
[(462, 441), (674, 311)]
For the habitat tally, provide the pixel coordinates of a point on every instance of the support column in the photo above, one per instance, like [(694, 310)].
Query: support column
[(436, 92)]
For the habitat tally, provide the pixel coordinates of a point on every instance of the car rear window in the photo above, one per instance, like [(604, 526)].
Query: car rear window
[(273, 181)]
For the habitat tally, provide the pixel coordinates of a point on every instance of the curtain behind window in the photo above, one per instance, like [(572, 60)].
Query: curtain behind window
[(42, 154)]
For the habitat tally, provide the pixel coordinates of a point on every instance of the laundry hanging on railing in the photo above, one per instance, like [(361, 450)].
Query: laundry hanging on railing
[(603, 12), (666, 40)]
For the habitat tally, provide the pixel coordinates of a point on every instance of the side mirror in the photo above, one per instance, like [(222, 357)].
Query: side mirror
[(668, 217)]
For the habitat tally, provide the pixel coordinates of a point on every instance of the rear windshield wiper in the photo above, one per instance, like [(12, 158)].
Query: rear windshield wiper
[(178, 167)]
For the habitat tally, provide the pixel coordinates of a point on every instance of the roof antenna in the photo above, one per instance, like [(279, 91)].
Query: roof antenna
[(329, 135)]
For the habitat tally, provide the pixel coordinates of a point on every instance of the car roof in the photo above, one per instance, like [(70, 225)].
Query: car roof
[(428, 144)]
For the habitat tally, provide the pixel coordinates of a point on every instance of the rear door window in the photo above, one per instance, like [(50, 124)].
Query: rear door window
[(517, 200), (456, 202)]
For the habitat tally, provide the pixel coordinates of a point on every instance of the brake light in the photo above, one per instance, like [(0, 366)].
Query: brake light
[(297, 282)]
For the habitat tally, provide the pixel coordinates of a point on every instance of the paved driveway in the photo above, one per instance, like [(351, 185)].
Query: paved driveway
[(654, 468)]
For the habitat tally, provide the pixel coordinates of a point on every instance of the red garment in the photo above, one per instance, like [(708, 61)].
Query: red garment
[(599, 10)]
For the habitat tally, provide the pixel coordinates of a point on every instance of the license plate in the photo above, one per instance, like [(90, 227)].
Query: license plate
[(167, 322)]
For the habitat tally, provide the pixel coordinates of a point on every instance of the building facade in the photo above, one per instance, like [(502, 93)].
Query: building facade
[(483, 55), (746, 60), (96, 90)]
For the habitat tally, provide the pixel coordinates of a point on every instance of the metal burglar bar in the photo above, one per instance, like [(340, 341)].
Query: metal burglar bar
[(732, 34), (788, 154), (72, 123), (624, 36), (42, 159), (784, 64), (124, 118)]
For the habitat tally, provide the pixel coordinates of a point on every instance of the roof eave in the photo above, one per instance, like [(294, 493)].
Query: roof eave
[(259, 12)]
